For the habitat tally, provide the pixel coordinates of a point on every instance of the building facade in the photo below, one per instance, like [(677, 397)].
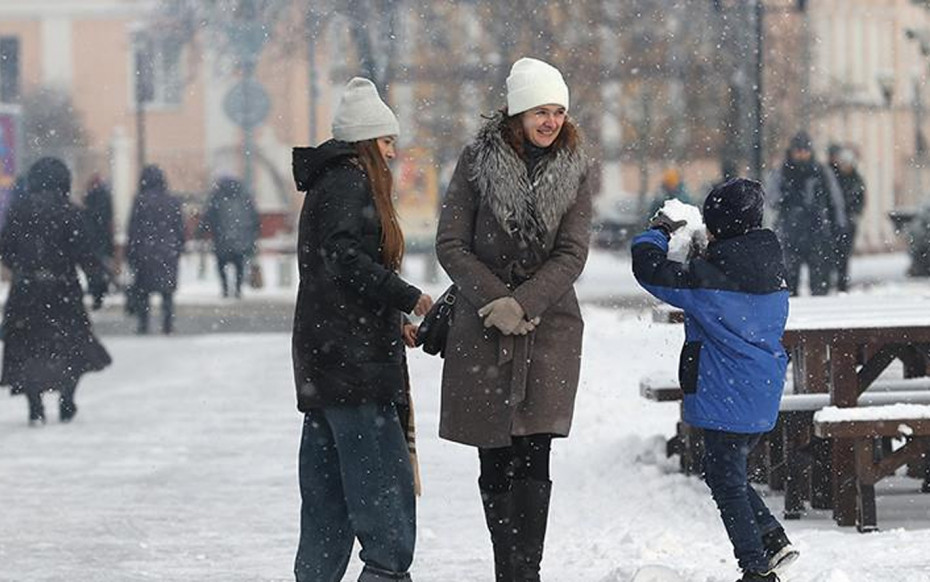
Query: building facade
[(93, 50)]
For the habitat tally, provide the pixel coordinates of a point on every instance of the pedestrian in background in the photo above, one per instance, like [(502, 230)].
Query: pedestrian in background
[(156, 239), (98, 213), (843, 163), (671, 188), (810, 212), (231, 219), (356, 478), (513, 236), (48, 342)]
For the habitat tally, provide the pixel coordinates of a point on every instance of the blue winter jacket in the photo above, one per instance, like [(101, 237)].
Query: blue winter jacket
[(732, 366)]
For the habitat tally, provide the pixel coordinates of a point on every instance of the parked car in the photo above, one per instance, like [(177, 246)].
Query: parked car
[(615, 223)]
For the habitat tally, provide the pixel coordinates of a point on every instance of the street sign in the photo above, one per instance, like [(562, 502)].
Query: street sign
[(247, 104), (10, 153)]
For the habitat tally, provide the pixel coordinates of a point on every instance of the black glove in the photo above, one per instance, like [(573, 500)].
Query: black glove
[(666, 225)]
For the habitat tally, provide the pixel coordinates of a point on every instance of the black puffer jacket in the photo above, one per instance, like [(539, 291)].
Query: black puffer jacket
[(347, 344)]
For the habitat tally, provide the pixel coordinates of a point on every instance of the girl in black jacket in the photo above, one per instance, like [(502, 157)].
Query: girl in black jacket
[(356, 481)]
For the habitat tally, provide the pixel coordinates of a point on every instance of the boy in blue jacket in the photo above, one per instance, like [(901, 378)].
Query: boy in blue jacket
[(732, 366)]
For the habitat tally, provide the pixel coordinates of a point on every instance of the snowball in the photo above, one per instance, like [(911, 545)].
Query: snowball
[(680, 243)]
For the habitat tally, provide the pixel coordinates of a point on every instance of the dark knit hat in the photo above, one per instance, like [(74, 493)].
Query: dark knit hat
[(49, 175), (734, 208), (802, 141), (152, 178)]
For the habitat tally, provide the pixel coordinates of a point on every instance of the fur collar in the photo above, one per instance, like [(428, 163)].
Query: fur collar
[(528, 207)]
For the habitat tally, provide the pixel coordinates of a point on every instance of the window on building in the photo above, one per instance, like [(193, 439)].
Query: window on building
[(9, 69), (157, 65)]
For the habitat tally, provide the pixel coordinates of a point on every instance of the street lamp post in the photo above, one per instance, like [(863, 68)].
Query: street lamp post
[(144, 91), (758, 144), (922, 38)]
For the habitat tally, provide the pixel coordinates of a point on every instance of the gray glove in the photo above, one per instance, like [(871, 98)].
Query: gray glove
[(504, 313), (526, 326)]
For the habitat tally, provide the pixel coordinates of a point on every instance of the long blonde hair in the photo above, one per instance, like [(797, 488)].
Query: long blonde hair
[(382, 186)]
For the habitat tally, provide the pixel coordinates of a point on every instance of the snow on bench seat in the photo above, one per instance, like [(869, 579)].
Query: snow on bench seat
[(890, 420), (869, 399)]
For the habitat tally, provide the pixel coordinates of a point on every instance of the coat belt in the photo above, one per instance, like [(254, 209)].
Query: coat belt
[(517, 349)]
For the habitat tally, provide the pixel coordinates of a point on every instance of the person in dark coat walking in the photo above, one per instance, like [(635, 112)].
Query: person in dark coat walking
[(356, 478), (48, 342), (843, 163), (156, 240), (98, 212), (513, 236), (810, 214), (230, 217), (732, 367)]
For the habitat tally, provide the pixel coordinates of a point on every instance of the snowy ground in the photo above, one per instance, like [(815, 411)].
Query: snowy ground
[(181, 466)]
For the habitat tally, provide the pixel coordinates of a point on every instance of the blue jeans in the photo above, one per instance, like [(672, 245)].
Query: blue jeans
[(744, 514), (355, 482)]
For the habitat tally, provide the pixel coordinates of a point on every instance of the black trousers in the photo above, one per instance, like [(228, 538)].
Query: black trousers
[(237, 260), (819, 260), (167, 312)]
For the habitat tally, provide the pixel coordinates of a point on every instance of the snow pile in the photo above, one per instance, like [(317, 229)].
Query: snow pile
[(691, 233), (890, 412)]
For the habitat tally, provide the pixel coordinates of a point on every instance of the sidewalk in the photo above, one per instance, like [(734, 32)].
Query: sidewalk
[(606, 281)]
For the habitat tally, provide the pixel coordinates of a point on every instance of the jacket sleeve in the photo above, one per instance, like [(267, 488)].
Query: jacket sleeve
[(80, 247), (835, 195), (345, 197), (454, 241), (178, 219), (208, 218), (665, 279), (566, 260), (132, 246), (9, 236)]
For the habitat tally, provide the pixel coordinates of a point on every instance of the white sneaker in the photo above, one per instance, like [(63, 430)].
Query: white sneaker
[(782, 560)]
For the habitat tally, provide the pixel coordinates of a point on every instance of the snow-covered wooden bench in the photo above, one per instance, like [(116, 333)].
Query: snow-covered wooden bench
[(862, 426), (788, 451), (792, 450)]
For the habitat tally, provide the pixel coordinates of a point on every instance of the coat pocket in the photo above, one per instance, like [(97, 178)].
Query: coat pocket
[(688, 367)]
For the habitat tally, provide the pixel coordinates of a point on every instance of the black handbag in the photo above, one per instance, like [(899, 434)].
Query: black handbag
[(434, 329)]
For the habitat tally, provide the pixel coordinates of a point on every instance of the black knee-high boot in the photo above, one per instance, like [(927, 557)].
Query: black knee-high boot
[(498, 513), (531, 514)]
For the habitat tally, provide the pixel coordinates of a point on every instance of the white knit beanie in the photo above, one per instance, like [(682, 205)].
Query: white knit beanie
[(533, 83), (362, 115)]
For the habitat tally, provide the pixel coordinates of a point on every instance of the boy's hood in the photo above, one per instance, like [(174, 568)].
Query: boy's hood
[(753, 261)]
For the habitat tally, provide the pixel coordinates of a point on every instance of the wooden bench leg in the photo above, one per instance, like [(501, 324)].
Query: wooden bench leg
[(925, 488), (821, 473), (844, 482), (796, 437), (866, 518), (775, 456)]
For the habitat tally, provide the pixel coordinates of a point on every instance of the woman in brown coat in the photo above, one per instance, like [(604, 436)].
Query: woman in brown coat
[(513, 235)]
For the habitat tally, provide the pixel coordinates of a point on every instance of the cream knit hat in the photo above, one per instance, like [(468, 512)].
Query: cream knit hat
[(362, 115), (533, 83)]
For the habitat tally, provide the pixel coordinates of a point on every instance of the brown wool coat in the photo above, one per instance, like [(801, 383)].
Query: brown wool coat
[(495, 386)]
